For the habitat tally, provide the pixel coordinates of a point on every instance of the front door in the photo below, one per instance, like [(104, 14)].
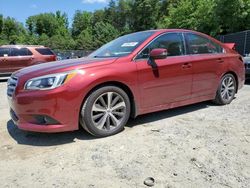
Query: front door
[(172, 80)]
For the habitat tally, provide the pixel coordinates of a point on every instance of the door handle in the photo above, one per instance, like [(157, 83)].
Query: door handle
[(220, 60), (187, 65)]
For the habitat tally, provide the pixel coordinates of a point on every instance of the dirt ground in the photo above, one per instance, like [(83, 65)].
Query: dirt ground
[(200, 145)]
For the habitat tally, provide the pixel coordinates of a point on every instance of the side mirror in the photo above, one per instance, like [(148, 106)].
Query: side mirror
[(158, 53)]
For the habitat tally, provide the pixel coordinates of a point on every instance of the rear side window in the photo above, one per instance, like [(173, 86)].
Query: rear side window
[(201, 45), (20, 52), (45, 51), (4, 52)]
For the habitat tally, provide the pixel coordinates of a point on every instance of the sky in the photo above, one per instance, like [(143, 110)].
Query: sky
[(22, 9)]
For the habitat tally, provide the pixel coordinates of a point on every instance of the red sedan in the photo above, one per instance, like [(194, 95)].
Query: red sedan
[(132, 75)]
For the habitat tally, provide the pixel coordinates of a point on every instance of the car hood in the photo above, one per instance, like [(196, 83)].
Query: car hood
[(64, 65)]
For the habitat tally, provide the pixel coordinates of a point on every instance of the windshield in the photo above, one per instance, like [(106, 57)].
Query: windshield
[(122, 46)]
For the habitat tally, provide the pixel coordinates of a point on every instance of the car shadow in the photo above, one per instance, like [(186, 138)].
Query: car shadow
[(156, 116), (3, 80), (52, 139), (45, 139)]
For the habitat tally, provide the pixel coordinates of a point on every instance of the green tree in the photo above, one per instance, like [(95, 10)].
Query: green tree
[(84, 41), (61, 42), (50, 30), (31, 24), (44, 40), (232, 16), (124, 16), (190, 14), (118, 14), (91, 30), (145, 14), (12, 31), (46, 23), (110, 12), (62, 19), (81, 21), (98, 16), (103, 33), (1, 23)]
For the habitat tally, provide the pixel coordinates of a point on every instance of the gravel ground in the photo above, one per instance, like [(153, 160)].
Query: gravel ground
[(200, 145)]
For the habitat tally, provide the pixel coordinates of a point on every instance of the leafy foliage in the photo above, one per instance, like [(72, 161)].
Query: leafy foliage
[(81, 21), (91, 30)]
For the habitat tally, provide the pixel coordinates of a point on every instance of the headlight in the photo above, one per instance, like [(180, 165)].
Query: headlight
[(50, 81)]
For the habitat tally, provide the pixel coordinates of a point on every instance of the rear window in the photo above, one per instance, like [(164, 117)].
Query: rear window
[(20, 52), (45, 51)]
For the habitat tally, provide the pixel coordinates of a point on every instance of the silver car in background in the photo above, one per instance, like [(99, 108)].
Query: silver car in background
[(247, 66)]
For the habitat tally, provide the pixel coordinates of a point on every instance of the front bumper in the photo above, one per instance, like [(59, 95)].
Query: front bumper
[(60, 107)]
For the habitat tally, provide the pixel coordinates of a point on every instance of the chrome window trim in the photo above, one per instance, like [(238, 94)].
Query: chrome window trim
[(184, 43)]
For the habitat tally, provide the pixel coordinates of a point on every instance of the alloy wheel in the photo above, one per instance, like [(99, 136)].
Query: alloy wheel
[(227, 88), (108, 111)]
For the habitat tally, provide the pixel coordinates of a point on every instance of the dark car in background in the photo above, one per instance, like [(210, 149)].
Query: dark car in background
[(247, 66), (15, 57)]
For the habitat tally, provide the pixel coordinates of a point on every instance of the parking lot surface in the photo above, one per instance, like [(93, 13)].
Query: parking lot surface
[(200, 145)]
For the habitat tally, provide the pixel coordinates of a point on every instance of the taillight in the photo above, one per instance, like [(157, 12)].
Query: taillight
[(52, 58)]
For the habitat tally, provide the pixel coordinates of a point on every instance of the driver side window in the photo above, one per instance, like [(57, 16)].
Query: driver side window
[(173, 42)]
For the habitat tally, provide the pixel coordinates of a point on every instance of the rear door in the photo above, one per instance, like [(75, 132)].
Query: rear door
[(4, 63), (20, 58), (207, 59)]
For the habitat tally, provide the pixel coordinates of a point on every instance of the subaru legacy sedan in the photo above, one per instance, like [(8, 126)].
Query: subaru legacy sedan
[(134, 74)]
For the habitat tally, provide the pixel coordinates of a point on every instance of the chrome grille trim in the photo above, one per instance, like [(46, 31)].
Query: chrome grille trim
[(11, 86)]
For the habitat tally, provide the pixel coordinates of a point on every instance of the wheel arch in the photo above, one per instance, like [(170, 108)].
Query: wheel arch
[(120, 85), (236, 78)]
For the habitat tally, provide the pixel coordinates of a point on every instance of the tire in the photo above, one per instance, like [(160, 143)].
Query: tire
[(226, 90), (105, 111)]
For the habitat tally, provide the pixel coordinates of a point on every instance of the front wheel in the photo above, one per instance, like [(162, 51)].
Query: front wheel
[(226, 90), (105, 111)]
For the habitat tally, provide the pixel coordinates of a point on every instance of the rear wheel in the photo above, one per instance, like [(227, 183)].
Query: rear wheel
[(226, 90), (105, 111)]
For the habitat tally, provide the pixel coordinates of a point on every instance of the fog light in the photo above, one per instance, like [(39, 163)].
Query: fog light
[(45, 120)]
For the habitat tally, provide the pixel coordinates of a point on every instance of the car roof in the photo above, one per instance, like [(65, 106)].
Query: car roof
[(22, 46), (160, 31), (172, 30)]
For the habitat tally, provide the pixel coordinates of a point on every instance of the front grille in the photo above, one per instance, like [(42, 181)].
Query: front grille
[(11, 86)]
